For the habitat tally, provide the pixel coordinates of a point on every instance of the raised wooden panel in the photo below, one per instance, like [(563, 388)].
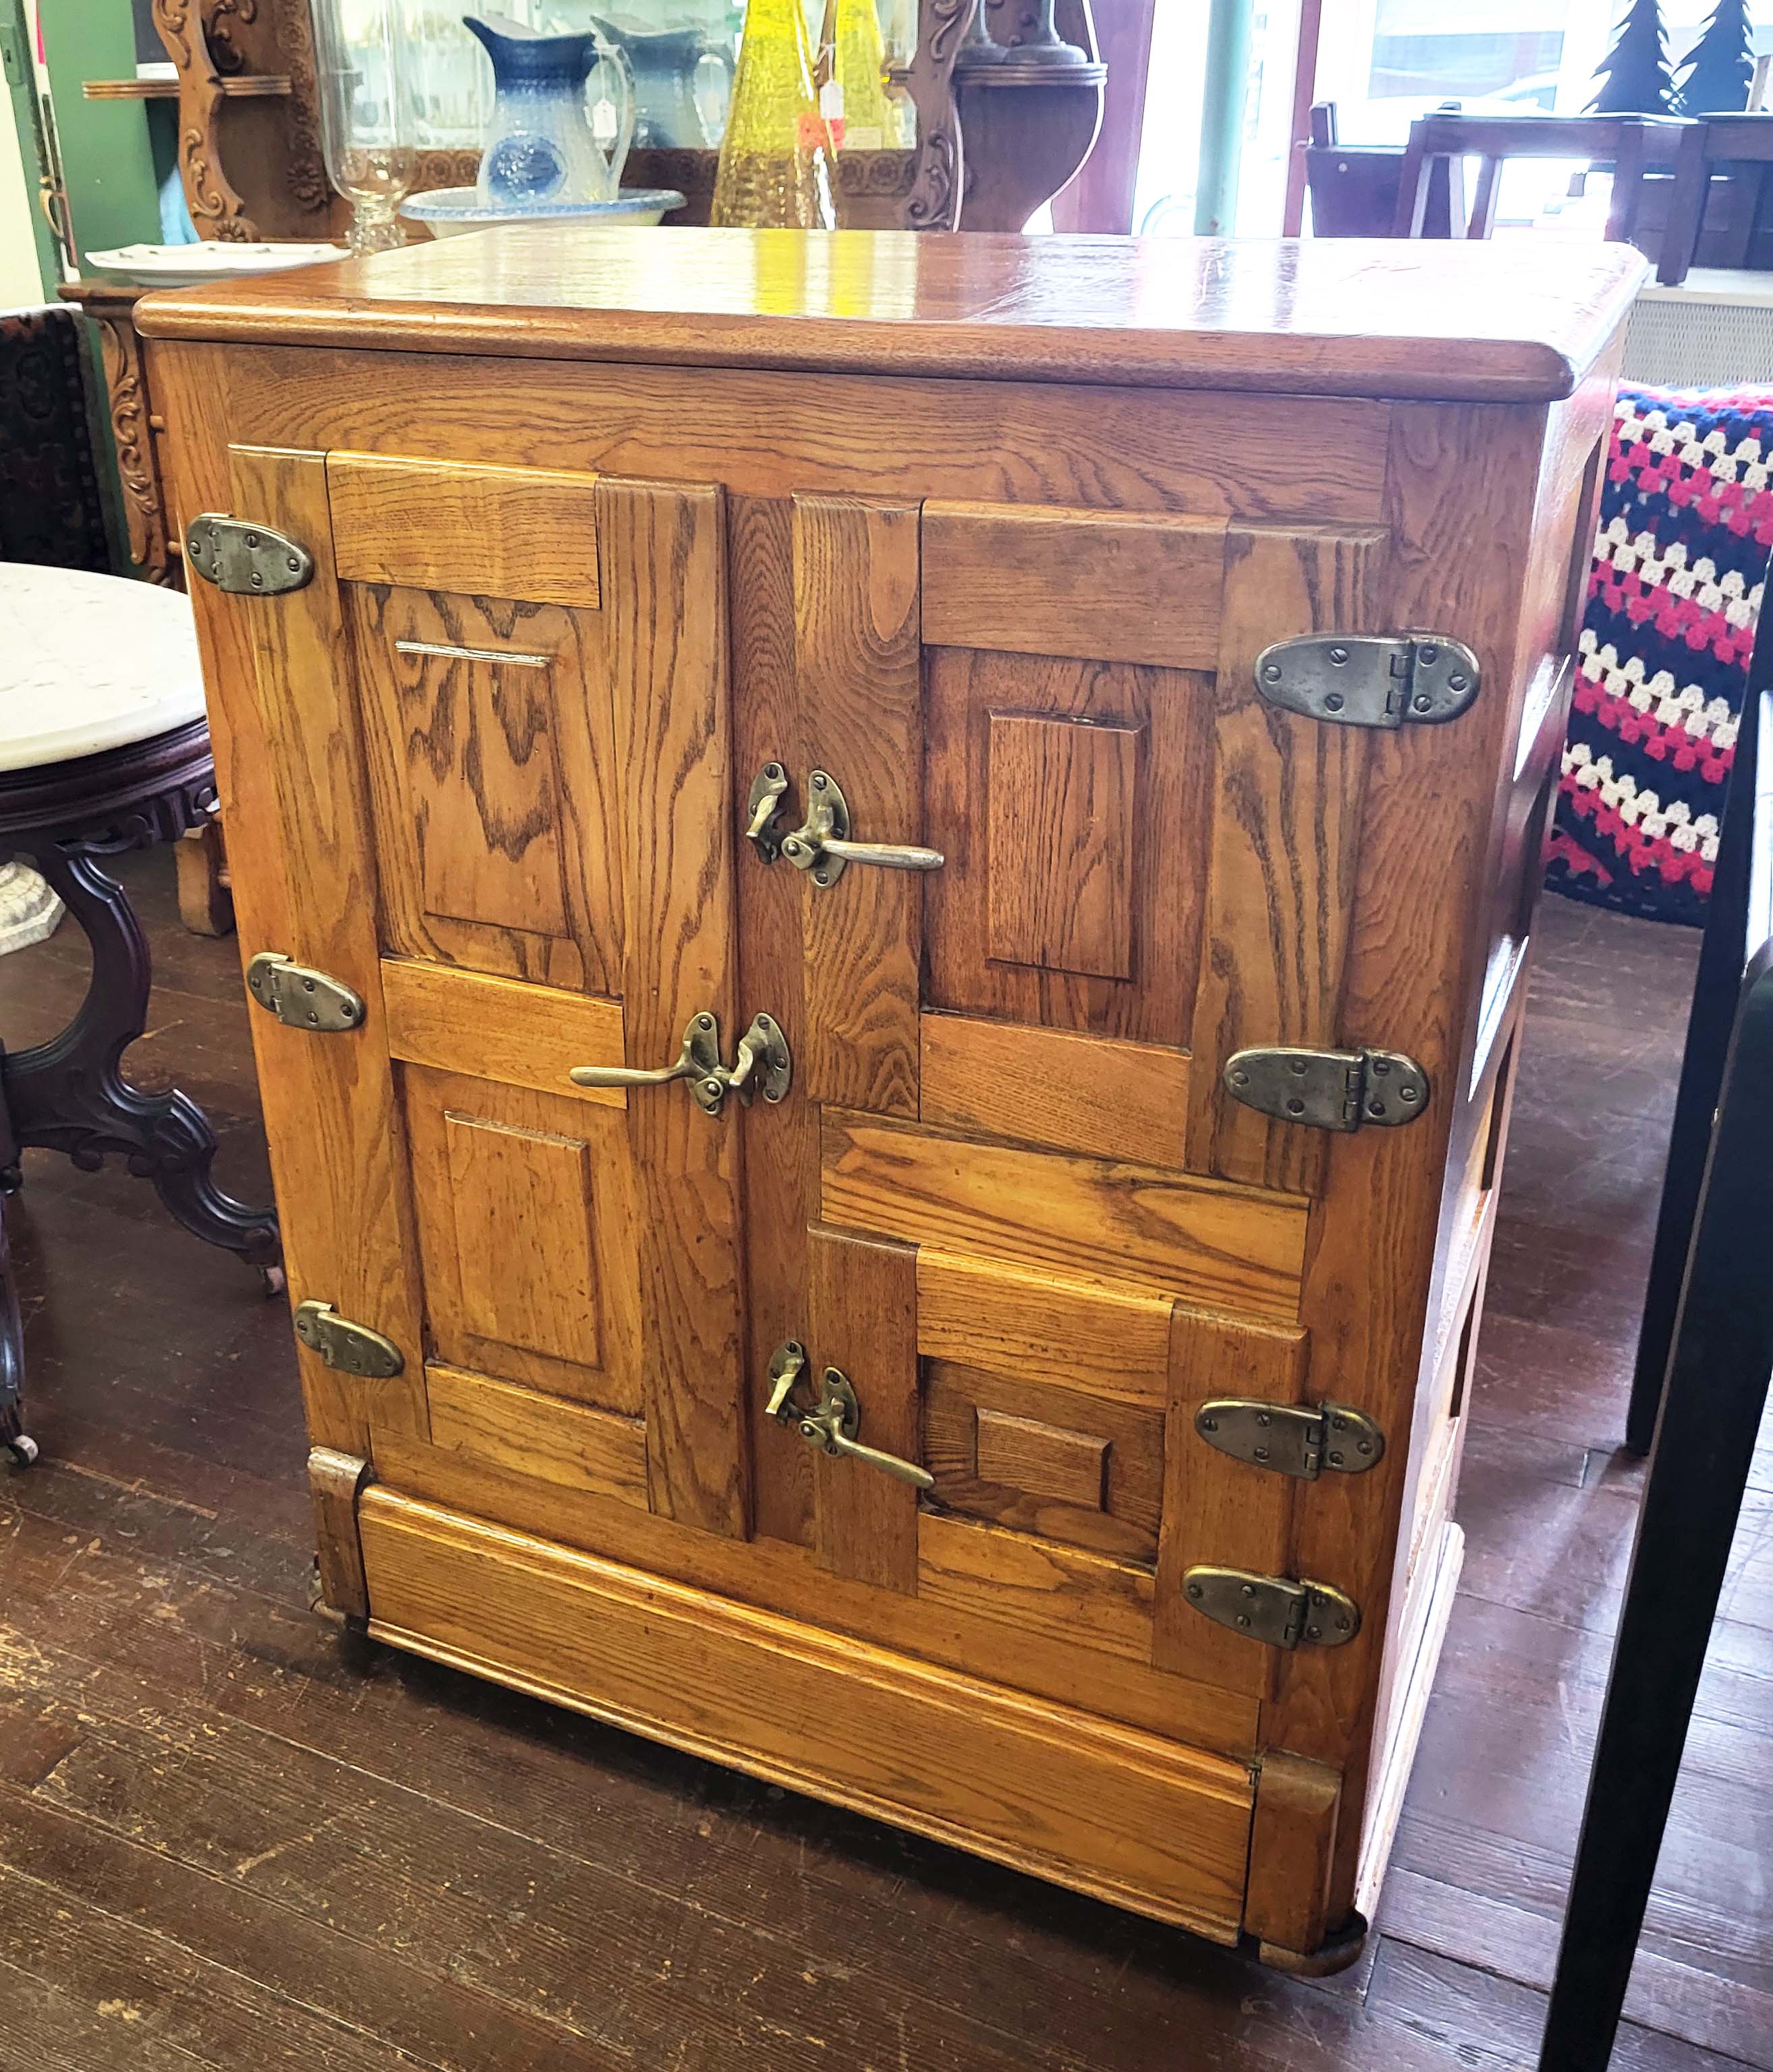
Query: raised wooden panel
[(1105, 1342), (525, 1266), (485, 531), (1060, 798), (1069, 1467), (859, 682), (1069, 800), (531, 1434), (1055, 1086), (664, 649), (499, 1029), (1218, 1510), (488, 730), (1286, 793), (1081, 1217), (1051, 1788), (1045, 1459), (1101, 585), (862, 1318), (525, 1205)]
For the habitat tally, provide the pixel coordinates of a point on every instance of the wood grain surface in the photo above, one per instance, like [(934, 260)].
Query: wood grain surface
[(483, 531), (1086, 1217), (663, 634), (1327, 317), (466, 1021), (858, 684), (1039, 1787), (1095, 586)]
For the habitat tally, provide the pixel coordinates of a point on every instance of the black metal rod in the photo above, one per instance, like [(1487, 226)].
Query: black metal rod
[(1725, 951), (1699, 1467)]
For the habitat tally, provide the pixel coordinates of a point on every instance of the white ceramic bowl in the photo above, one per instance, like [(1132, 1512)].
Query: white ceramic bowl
[(182, 265), (448, 211)]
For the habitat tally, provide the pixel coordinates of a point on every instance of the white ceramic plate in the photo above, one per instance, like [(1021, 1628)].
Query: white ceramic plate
[(450, 211), (180, 265)]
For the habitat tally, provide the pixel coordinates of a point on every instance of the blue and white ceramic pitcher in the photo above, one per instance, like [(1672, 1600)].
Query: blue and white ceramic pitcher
[(540, 145)]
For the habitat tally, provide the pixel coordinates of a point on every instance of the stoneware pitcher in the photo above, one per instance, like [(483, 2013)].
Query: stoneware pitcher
[(682, 80), (539, 145)]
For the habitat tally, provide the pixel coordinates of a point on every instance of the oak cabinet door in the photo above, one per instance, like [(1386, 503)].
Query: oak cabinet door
[(1040, 1231), (504, 700)]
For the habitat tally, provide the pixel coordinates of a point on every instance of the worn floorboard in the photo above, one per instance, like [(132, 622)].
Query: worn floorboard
[(222, 1844)]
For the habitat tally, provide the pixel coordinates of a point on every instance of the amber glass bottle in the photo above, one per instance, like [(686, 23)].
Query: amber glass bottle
[(776, 160)]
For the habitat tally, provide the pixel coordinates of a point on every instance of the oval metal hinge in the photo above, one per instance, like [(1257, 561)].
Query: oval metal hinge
[(1274, 1610), (247, 559), (301, 997), (1328, 1089), (351, 1348), (1291, 1439), (1370, 679)]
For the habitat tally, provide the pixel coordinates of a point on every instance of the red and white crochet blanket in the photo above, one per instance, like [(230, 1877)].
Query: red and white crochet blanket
[(1674, 597)]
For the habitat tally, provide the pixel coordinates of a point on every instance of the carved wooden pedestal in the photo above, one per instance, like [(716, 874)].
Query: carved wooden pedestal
[(69, 1094)]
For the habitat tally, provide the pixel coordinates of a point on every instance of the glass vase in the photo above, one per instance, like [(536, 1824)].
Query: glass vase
[(774, 168), (368, 114), (871, 117)]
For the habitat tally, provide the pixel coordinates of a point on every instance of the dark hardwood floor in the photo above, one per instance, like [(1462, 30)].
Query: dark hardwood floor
[(223, 1845)]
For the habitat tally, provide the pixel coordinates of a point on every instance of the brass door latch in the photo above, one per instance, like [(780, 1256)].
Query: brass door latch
[(821, 844), (761, 1060), (831, 1423)]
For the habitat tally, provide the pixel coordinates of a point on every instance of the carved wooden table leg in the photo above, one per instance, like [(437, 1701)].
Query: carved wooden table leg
[(69, 1094)]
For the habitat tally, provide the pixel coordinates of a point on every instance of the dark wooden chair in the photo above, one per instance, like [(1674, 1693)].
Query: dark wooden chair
[(1633, 145), (1354, 187), (1715, 154), (1704, 1361)]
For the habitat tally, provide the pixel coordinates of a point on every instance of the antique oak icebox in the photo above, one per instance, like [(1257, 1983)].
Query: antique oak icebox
[(885, 881)]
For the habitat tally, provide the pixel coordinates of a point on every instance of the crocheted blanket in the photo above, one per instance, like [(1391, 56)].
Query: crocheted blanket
[(1674, 595)]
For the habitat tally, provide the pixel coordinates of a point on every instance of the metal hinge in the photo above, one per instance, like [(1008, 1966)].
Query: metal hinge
[(302, 997), (249, 560), (351, 1348), (1369, 679), (1291, 1439), (1273, 1609), (1328, 1089)]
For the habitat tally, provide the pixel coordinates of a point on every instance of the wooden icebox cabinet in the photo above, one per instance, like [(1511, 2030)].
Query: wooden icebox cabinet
[(886, 881)]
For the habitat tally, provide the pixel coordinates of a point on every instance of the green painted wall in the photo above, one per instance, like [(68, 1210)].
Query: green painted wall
[(107, 158)]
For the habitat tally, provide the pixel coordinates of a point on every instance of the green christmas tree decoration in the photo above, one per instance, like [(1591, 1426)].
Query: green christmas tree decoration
[(1718, 70), (1636, 79)]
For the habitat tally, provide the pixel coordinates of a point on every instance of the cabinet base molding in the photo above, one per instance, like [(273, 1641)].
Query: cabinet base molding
[(1104, 1809)]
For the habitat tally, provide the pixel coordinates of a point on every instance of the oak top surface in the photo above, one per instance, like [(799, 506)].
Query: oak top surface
[(1512, 320)]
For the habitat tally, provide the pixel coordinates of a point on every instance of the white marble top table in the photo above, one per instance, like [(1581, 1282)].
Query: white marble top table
[(90, 662)]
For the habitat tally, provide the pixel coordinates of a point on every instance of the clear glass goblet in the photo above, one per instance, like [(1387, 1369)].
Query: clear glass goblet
[(369, 113)]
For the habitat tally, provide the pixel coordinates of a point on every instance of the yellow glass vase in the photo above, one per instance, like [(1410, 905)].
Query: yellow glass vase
[(776, 160), (871, 117)]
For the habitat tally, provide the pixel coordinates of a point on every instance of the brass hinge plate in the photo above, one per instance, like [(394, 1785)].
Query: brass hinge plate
[(246, 560), (350, 1347), (1274, 1610), (1328, 1089), (301, 997), (1370, 679), (1291, 1439)]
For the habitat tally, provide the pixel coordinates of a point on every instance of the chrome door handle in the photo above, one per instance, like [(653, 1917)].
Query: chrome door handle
[(822, 844), (762, 1059), (831, 1423)]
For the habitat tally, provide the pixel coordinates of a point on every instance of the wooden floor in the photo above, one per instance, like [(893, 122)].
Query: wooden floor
[(221, 1845)]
